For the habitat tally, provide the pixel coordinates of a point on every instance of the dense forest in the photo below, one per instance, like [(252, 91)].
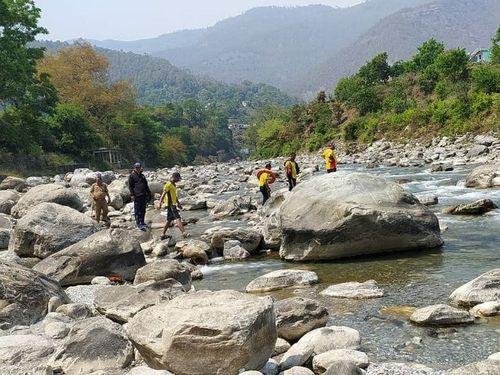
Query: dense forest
[(59, 105), (437, 91)]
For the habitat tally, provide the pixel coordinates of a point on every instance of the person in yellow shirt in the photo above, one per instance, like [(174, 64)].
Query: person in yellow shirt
[(330, 158), (266, 177), (292, 170), (172, 201)]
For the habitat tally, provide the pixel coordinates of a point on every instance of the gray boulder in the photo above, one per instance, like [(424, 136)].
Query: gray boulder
[(354, 290), (346, 367), (8, 198), (441, 314), (282, 279), (162, 270), (48, 228), (105, 253), (220, 332), (477, 150), (323, 361), (13, 183), (234, 251), (24, 295), (51, 193), (484, 176), (297, 370), (122, 302), (24, 354), (490, 308), (482, 289), (485, 140), (487, 367), (478, 207), (296, 316), (94, 344), (250, 239), (351, 214)]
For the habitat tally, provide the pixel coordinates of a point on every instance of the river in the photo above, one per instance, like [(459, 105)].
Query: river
[(411, 279)]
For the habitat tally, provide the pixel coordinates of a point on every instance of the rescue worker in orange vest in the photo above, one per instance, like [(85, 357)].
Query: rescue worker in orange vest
[(173, 206), (330, 158), (292, 170), (100, 199), (266, 177)]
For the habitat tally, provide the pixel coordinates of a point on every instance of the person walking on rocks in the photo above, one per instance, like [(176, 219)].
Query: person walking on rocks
[(173, 205), (140, 193), (330, 158), (100, 198), (266, 178), (292, 170)]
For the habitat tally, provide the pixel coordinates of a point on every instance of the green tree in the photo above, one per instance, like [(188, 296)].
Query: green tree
[(377, 70), (486, 78), (453, 65), (18, 27), (427, 54), (495, 48)]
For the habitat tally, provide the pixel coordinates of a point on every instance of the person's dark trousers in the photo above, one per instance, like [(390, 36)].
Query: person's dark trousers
[(331, 170), (292, 182), (266, 193), (140, 210)]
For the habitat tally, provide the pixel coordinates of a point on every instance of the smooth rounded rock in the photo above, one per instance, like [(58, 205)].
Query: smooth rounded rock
[(162, 270), (282, 279), (441, 314), (323, 361), (484, 288), (354, 290)]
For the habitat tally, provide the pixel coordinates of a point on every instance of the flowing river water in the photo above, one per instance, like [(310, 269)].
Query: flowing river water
[(410, 279)]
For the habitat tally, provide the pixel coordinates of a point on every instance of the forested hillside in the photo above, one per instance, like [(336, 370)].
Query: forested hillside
[(274, 45), (466, 24), (157, 81), (436, 92)]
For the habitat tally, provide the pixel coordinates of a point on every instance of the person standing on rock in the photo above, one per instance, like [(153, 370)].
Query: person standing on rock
[(266, 178), (140, 193), (330, 158), (292, 170), (173, 205), (100, 198)]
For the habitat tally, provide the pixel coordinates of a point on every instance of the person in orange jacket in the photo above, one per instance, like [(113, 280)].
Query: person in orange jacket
[(330, 158)]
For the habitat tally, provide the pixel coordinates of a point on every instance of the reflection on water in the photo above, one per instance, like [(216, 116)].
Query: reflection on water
[(412, 279)]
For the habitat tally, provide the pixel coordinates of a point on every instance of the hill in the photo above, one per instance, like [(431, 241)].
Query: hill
[(157, 81), (467, 24), (269, 44)]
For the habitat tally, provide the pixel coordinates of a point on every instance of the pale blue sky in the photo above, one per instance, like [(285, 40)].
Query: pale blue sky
[(133, 19)]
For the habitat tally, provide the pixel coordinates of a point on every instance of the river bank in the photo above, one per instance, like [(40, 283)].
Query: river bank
[(232, 244)]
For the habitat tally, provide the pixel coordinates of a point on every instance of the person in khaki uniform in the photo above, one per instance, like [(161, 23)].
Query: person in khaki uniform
[(100, 199)]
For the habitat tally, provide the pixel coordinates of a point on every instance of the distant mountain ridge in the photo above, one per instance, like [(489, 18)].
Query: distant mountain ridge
[(269, 44), (303, 49)]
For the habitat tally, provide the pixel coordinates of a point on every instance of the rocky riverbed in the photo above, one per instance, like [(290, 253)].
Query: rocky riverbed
[(389, 266)]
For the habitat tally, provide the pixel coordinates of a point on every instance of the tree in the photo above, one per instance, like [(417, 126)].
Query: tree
[(495, 49), (80, 75), (18, 27), (171, 151), (486, 78), (377, 70), (427, 54), (453, 65)]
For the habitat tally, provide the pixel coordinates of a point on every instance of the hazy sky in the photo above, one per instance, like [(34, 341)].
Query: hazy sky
[(135, 19)]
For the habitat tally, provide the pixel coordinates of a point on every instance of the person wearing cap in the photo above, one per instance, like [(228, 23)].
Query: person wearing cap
[(140, 194), (100, 198), (330, 158), (169, 196), (292, 170)]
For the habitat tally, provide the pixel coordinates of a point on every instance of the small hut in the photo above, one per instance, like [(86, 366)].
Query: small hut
[(111, 156)]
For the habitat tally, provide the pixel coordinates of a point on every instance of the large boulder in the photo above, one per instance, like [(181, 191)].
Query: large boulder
[(122, 302), (348, 214), (48, 228), (52, 193), (484, 288), (323, 361), (280, 279), (8, 198), (487, 367), (93, 344), (441, 315), (24, 354), (105, 253), (234, 206), (296, 316), (24, 295), (162, 270), (484, 176), (13, 183), (206, 333)]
